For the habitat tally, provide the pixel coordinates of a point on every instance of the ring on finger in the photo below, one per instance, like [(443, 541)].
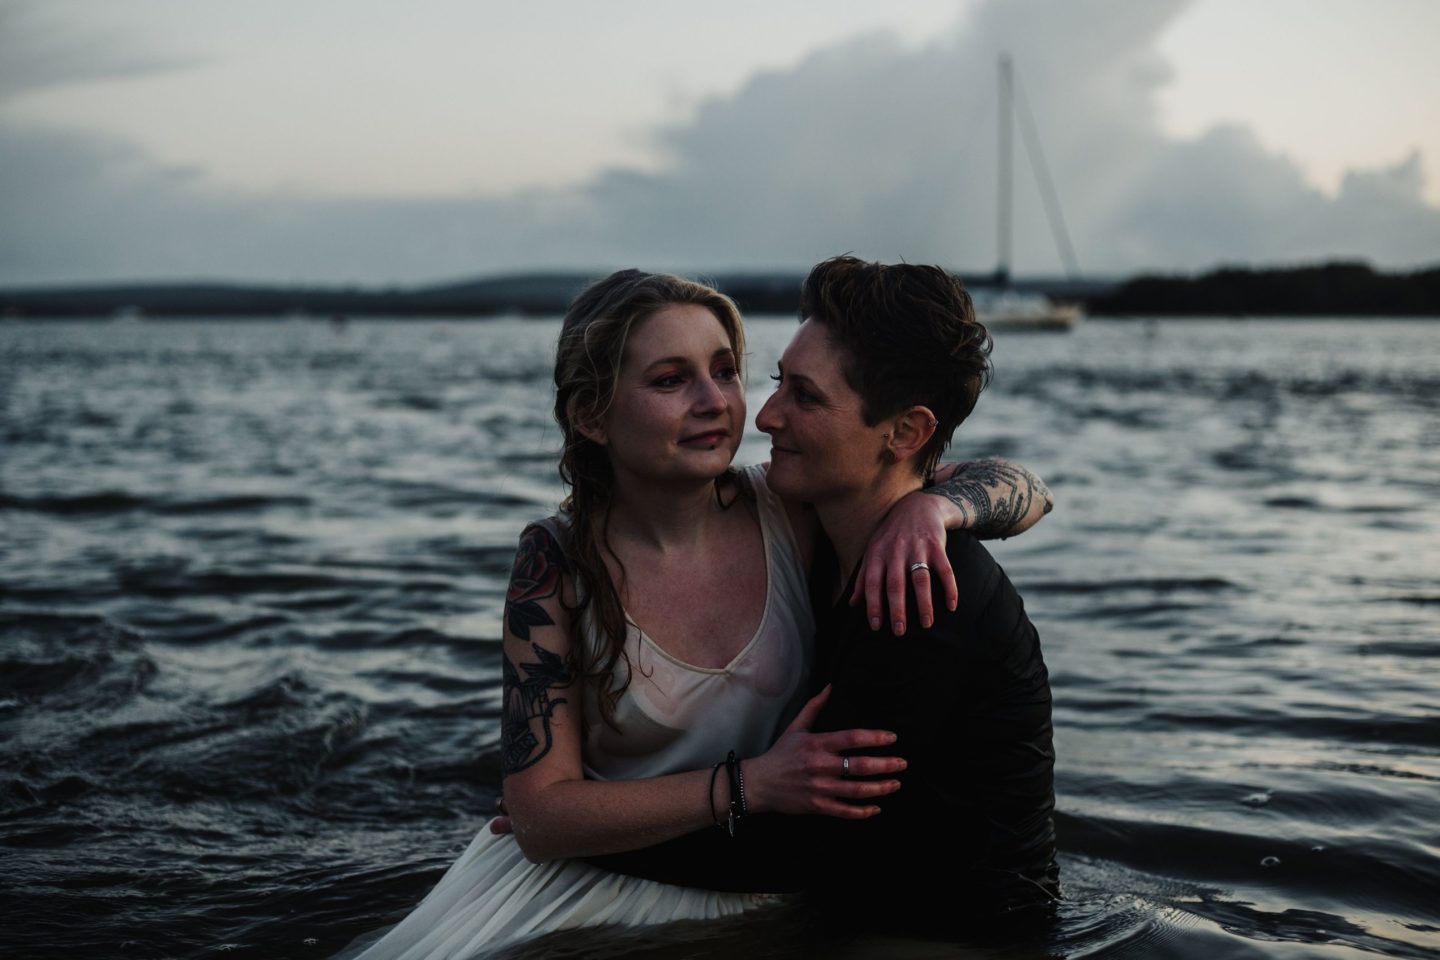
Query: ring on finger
[(845, 766), (919, 565)]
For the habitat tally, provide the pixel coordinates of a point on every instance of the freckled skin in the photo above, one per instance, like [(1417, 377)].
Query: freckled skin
[(664, 397)]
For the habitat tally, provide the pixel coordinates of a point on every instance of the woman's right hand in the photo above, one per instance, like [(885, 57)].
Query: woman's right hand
[(805, 772)]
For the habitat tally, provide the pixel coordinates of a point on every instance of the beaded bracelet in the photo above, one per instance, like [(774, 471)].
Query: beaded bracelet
[(737, 791)]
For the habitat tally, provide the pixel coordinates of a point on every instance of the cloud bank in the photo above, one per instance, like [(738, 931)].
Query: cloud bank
[(870, 146)]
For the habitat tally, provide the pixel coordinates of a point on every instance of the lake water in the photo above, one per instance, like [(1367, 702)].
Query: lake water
[(251, 576)]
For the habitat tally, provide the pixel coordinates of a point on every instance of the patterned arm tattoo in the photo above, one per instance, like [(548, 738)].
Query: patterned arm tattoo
[(539, 564), (997, 498)]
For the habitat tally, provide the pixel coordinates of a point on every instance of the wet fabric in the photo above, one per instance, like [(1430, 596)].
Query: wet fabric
[(969, 699), (679, 717)]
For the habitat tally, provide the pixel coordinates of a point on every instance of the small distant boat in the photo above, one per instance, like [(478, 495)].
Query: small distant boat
[(1006, 308), (1001, 306)]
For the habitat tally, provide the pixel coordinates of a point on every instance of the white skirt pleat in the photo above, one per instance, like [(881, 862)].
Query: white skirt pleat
[(493, 897)]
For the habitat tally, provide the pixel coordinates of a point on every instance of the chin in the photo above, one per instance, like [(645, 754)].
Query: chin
[(710, 467), (787, 481)]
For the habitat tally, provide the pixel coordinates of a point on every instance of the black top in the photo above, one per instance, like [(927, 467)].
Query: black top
[(969, 699)]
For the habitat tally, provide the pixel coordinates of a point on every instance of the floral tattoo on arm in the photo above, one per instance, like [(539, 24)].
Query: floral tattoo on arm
[(994, 495), (539, 564)]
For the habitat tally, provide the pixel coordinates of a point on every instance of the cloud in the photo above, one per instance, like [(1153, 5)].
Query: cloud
[(1221, 197), (87, 207), (891, 152), (38, 51), (868, 146)]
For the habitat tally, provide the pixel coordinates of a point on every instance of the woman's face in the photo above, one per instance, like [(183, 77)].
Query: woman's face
[(820, 446), (679, 406)]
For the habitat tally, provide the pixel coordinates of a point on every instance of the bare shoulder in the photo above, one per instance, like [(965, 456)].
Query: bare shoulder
[(541, 573)]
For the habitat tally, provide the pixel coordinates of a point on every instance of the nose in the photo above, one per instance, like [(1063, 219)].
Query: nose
[(768, 419), (709, 397)]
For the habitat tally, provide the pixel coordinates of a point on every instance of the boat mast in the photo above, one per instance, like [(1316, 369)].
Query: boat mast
[(1002, 270)]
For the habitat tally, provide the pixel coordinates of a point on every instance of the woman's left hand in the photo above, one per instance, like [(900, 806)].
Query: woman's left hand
[(912, 533)]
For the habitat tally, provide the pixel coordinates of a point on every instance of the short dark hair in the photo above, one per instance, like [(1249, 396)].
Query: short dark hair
[(910, 336)]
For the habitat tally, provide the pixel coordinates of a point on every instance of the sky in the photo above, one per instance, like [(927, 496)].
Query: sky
[(374, 143)]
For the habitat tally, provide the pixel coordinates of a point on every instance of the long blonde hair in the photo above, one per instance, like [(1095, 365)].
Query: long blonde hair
[(587, 364)]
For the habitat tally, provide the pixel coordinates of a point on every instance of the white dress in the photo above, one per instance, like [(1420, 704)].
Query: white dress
[(672, 717)]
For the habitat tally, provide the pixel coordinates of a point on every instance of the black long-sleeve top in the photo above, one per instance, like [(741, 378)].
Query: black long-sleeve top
[(969, 700)]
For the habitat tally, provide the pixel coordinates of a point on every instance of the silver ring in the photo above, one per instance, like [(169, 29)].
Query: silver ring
[(919, 565), (845, 765)]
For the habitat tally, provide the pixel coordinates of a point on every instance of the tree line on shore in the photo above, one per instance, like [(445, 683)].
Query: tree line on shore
[(1331, 289)]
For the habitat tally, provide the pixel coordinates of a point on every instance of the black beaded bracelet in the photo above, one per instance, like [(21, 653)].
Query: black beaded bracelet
[(737, 791), (740, 779)]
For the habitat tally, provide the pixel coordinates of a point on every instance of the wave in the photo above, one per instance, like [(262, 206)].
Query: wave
[(1293, 925), (1220, 384), (1423, 731), (69, 662), (1153, 584), (109, 502), (170, 577)]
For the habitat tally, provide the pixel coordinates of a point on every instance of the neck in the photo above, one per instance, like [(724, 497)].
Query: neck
[(850, 520), (661, 517)]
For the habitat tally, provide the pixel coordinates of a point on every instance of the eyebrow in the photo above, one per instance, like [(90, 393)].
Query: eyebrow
[(684, 361)]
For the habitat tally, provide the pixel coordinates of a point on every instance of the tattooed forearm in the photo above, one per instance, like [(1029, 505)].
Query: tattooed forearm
[(539, 565), (528, 699), (996, 497)]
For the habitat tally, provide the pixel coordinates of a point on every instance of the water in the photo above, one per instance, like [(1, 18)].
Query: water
[(251, 577)]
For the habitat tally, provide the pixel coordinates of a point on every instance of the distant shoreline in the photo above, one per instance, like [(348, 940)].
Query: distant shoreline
[(1331, 289)]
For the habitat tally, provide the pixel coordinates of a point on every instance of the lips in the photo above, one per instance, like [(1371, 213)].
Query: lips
[(713, 436)]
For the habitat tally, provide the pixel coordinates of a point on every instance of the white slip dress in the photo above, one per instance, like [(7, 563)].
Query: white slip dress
[(672, 717)]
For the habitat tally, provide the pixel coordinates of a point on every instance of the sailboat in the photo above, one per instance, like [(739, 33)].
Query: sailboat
[(1000, 306)]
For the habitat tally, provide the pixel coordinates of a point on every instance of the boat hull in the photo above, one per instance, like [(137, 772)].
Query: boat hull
[(1054, 318)]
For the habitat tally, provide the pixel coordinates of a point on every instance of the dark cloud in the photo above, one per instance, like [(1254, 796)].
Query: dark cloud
[(91, 207), (39, 51), (867, 146)]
